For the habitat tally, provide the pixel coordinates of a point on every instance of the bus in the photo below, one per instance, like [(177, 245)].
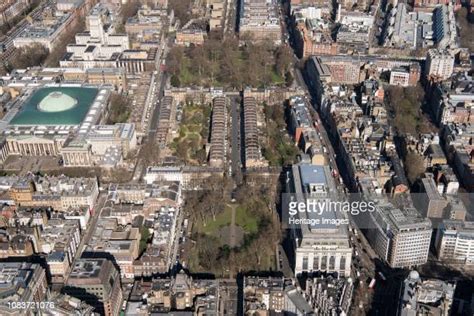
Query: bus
[(382, 276), (372, 283)]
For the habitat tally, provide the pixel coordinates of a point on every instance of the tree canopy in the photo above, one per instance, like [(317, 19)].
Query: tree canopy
[(225, 63)]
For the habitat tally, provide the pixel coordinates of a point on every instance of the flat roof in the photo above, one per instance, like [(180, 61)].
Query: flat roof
[(31, 115), (312, 174)]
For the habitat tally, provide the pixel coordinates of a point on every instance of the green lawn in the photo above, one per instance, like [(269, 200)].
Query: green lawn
[(243, 218), (246, 220), (212, 226), (277, 79)]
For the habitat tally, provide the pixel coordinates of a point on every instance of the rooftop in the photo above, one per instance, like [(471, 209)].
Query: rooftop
[(56, 106)]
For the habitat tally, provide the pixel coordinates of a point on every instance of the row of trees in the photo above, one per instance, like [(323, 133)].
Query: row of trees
[(278, 148), (225, 63), (29, 56), (205, 204), (405, 106), (67, 38)]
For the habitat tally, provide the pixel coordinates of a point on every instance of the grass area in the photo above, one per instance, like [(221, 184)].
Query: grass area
[(276, 78), (244, 218), (212, 226), (189, 146)]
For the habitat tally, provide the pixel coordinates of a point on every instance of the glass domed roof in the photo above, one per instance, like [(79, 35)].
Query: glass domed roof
[(57, 101)]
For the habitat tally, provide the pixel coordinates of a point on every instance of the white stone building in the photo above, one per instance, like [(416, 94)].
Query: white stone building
[(455, 242)]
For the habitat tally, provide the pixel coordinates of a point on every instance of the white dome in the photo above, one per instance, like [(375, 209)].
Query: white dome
[(57, 102), (414, 275)]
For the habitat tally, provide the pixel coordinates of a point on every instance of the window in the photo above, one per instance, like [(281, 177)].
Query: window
[(305, 263), (324, 262), (342, 263), (316, 263), (332, 263)]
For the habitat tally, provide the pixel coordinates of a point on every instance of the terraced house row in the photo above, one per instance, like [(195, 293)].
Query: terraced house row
[(218, 133), (252, 150)]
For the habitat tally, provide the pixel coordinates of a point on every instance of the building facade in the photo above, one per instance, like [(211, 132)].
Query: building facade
[(318, 246), (21, 282), (455, 242), (97, 282), (439, 64), (400, 237)]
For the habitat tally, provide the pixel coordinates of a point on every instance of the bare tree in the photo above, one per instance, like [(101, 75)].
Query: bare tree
[(67, 38), (30, 56), (414, 166), (182, 10)]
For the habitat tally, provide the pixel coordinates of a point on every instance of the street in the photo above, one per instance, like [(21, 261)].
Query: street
[(87, 235), (159, 80), (236, 154)]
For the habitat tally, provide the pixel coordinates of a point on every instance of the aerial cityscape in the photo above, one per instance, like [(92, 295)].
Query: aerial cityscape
[(237, 157)]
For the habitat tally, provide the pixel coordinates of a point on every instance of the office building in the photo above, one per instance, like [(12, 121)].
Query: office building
[(103, 47), (439, 64), (401, 237), (319, 246), (429, 201), (97, 282), (353, 34), (67, 305), (21, 282), (10, 9), (296, 303), (60, 193), (313, 32), (194, 36), (452, 100), (455, 242), (46, 28), (405, 76), (444, 27), (176, 295)]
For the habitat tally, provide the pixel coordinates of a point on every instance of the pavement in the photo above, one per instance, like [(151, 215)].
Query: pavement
[(232, 237)]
